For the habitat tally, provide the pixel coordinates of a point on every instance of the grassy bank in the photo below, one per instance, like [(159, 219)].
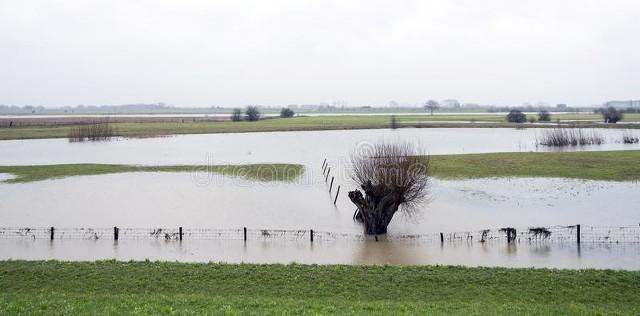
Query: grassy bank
[(591, 165), (259, 172), (143, 129), (110, 287)]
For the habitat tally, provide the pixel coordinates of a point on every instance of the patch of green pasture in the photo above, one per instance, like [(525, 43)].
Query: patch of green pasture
[(259, 172), (302, 123), (589, 165)]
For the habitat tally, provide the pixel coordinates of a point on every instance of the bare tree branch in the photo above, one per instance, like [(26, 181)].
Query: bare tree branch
[(392, 176)]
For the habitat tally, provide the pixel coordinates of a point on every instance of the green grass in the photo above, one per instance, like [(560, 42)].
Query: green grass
[(298, 124), (588, 165), (591, 165), (152, 288), (260, 172)]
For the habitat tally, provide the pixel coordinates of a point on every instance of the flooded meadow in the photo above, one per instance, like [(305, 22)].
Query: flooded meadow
[(200, 199)]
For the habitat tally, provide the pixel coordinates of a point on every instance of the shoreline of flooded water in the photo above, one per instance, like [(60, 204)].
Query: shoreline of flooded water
[(300, 147), (195, 199), (521, 255)]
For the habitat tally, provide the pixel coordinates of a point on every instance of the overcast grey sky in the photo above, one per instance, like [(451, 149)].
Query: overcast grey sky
[(231, 53)]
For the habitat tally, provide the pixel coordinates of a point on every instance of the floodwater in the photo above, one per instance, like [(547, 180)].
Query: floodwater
[(183, 199), (202, 200), (548, 255), (178, 199), (305, 147)]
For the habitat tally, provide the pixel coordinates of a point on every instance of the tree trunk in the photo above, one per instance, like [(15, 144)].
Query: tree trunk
[(376, 208)]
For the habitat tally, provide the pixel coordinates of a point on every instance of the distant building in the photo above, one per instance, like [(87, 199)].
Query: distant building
[(308, 107), (623, 104), (451, 103)]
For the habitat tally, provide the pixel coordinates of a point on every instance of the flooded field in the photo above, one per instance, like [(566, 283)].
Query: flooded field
[(305, 147), (202, 200), (182, 199)]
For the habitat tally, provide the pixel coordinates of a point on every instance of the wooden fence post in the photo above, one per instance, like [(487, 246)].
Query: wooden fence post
[(52, 230), (331, 185), (115, 233), (578, 233), (324, 162), (180, 232), (245, 233), (336, 199), (311, 235), (328, 172), (441, 238)]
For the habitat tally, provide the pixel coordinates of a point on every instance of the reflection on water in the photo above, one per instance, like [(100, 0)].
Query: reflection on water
[(524, 254)]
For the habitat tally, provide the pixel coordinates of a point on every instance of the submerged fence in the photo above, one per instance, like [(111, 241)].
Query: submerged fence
[(573, 233)]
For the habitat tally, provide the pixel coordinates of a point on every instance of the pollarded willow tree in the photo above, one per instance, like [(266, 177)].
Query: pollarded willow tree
[(393, 177)]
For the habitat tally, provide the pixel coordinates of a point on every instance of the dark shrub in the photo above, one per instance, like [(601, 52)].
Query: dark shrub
[(569, 137), (544, 116), (236, 115), (516, 116), (252, 113), (286, 112), (629, 138), (611, 115)]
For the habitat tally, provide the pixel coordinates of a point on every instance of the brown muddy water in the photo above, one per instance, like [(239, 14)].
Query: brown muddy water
[(180, 199), (203, 200), (550, 255)]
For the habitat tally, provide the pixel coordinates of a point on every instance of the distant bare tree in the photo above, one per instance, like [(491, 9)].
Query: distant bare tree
[(391, 176), (544, 116), (611, 115), (516, 116), (286, 112), (252, 113), (431, 105), (236, 115)]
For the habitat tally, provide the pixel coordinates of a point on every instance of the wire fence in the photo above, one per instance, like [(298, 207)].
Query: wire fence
[(573, 233)]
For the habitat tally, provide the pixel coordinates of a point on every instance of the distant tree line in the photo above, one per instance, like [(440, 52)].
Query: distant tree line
[(252, 113), (533, 108), (609, 115), (517, 116)]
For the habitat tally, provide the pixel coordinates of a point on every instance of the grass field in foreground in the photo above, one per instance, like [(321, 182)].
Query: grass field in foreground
[(259, 172), (590, 165), (116, 288), (304, 123)]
